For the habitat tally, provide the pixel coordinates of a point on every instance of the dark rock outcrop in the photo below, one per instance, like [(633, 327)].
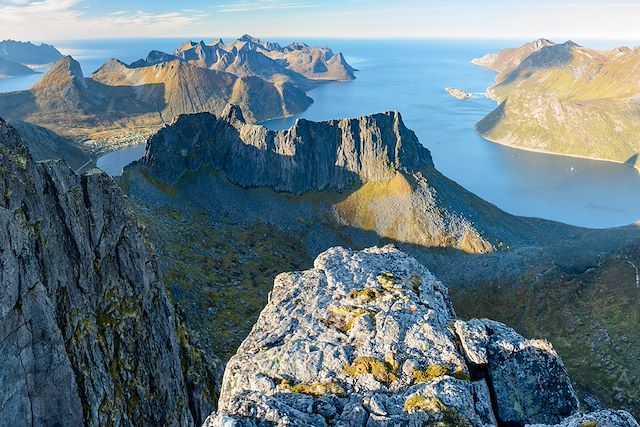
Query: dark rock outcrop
[(385, 177), (87, 333), (331, 155), (368, 338)]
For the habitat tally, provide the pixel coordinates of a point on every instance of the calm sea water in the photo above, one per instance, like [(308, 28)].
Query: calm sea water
[(410, 76)]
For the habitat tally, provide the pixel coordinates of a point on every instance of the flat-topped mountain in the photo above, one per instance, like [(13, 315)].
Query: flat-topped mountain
[(567, 99), (28, 53), (371, 338), (266, 80), (88, 335)]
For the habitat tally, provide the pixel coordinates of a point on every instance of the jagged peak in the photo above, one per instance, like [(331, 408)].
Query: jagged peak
[(249, 38), (189, 44), (63, 72), (540, 43), (218, 42), (233, 114)]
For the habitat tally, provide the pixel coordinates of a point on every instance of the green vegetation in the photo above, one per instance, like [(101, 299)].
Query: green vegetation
[(591, 318), (314, 389), (384, 371), (200, 260)]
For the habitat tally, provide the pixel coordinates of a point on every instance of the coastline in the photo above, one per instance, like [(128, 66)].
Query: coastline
[(533, 150), (553, 153)]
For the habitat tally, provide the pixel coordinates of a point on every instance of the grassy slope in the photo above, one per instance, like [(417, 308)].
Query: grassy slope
[(587, 107), (591, 317), (220, 261)]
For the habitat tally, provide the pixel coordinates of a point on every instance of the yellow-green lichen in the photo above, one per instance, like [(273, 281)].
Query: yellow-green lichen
[(389, 281), (590, 423), (417, 403), (315, 389), (432, 372), (366, 294), (348, 315), (384, 371)]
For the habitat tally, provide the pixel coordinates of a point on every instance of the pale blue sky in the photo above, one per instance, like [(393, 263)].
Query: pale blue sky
[(511, 19)]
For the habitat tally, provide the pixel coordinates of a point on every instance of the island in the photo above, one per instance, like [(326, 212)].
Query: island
[(458, 93), (566, 99)]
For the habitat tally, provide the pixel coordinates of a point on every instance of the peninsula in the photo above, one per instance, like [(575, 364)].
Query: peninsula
[(566, 99)]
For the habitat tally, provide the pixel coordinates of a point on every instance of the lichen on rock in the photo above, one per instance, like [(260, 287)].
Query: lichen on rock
[(414, 364)]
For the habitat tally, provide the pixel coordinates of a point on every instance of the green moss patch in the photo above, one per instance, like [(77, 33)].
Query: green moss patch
[(384, 371)]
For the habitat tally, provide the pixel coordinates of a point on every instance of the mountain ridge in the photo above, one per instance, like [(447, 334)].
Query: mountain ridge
[(89, 335), (566, 99)]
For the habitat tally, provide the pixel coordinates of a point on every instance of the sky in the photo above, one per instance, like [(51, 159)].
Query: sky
[(44, 20)]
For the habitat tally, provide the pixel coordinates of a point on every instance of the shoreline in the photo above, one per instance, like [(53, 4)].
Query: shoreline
[(532, 150), (538, 151)]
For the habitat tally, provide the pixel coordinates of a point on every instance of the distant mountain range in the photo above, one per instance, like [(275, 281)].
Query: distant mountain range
[(16, 55), (566, 99), (28, 53), (266, 80)]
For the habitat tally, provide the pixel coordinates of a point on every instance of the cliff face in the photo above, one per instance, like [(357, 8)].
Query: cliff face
[(87, 333), (387, 177), (371, 338), (568, 99), (309, 156)]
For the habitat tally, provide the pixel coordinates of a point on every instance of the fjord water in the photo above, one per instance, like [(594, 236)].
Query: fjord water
[(410, 76)]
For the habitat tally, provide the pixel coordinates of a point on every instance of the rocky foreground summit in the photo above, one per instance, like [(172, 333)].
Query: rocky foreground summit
[(371, 338)]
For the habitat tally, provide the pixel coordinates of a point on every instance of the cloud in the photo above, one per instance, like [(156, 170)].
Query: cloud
[(241, 6), (68, 19)]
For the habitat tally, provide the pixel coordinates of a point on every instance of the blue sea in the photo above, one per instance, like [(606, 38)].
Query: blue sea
[(410, 76)]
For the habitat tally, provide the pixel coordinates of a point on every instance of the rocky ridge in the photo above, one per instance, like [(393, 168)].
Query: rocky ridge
[(371, 338), (250, 56), (87, 332), (386, 176)]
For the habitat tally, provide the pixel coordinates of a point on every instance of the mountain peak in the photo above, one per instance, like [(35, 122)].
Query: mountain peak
[(249, 38), (368, 314), (65, 72)]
